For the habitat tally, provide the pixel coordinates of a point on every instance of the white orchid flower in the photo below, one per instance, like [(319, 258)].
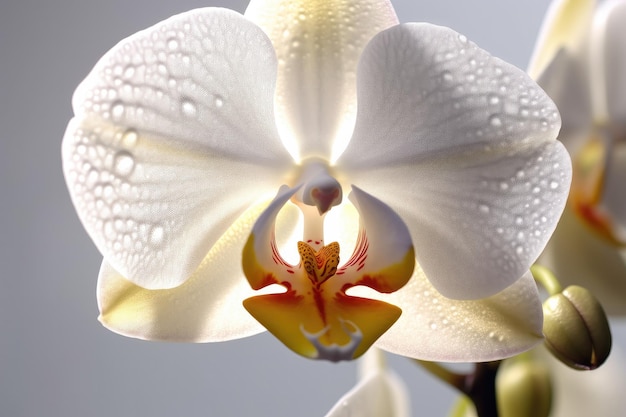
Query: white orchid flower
[(580, 60), (379, 391), (184, 132)]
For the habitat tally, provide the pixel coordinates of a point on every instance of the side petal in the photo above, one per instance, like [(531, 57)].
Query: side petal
[(318, 44), (173, 138), (436, 328), (379, 392), (564, 27), (462, 146), (206, 308)]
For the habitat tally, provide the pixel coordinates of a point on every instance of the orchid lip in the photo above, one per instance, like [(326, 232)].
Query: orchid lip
[(314, 316)]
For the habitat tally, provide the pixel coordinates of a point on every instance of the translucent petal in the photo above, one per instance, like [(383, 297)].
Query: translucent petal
[(564, 27), (173, 138), (577, 255), (436, 328), (206, 308), (472, 167), (608, 62), (318, 44), (378, 392)]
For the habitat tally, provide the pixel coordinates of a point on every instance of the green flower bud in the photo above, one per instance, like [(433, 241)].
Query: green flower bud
[(523, 388), (576, 328)]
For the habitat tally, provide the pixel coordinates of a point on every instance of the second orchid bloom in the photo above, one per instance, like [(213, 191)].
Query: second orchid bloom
[(214, 144)]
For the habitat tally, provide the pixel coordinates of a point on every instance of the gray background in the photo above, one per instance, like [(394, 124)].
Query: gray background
[(55, 358)]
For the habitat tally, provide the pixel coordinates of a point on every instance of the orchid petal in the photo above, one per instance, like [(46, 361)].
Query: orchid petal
[(315, 317), (449, 330), (578, 255), (206, 308), (318, 44), (565, 25), (379, 392), (471, 166), (608, 64), (171, 137)]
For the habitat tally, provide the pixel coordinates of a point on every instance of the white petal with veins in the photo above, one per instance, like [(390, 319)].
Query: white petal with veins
[(173, 138), (461, 145)]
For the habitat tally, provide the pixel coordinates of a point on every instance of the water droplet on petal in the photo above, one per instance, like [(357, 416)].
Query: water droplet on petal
[(129, 138), (495, 121), (462, 38), (172, 44), (156, 236), (484, 209), (123, 164), (446, 76), (188, 107), (117, 110), (494, 99), (219, 101)]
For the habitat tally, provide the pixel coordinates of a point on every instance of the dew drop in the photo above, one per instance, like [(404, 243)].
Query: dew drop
[(117, 110), (219, 101), (188, 107), (124, 163), (484, 209), (433, 325), (504, 186), (130, 138), (462, 38), (172, 44), (494, 99), (156, 236), (446, 76), (495, 121)]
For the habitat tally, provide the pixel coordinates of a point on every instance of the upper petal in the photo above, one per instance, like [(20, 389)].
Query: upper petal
[(436, 328), (318, 44), (461, 145), (174, 136)]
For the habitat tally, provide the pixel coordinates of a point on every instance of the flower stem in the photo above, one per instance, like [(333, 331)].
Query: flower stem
[(479, 386), (546, 278)]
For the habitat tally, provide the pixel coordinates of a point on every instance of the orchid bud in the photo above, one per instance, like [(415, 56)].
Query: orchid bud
[(576, 328), (524, 389)]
